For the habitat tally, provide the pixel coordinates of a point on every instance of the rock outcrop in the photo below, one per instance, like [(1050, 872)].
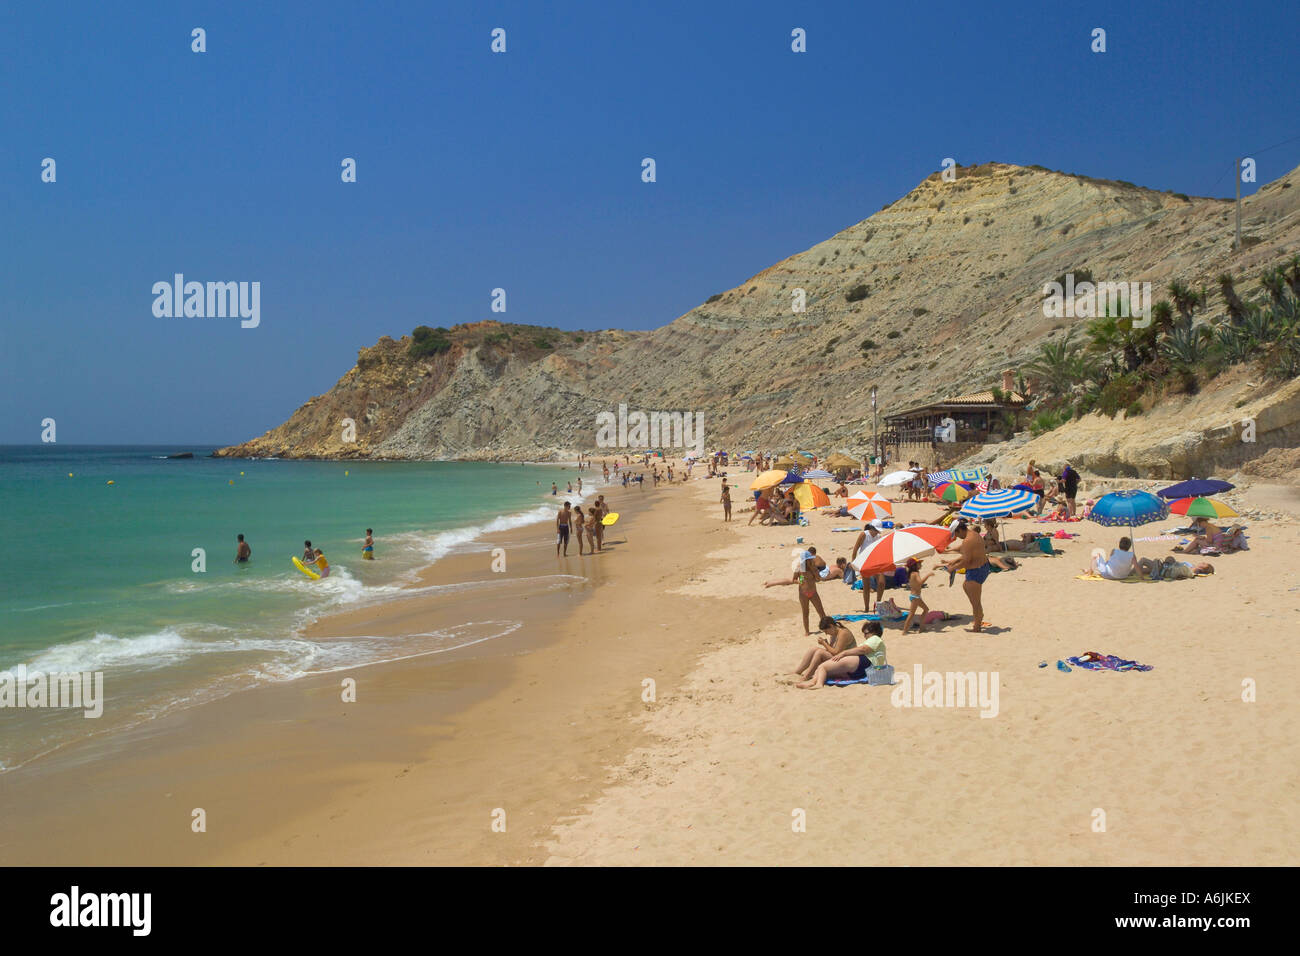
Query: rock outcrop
[(939, 292)]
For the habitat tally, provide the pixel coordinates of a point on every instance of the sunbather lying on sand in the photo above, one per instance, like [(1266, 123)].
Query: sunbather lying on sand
[(1171, 569), (1210, 536)]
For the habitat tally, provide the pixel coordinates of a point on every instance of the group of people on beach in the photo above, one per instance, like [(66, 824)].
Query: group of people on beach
[(571, 520)]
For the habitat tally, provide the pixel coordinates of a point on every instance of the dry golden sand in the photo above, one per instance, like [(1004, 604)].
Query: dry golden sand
[(1184, 770)]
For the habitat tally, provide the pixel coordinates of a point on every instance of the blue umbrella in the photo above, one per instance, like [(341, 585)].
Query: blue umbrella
[(791, 478), (998, 504), (1121, 509), (1196, 488), (820, 473)]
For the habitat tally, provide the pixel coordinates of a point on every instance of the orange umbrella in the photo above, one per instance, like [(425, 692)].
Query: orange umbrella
[(890, 550), (869, 505)]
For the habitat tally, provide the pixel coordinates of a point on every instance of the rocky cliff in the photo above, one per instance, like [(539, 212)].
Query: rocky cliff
[(937, 293)]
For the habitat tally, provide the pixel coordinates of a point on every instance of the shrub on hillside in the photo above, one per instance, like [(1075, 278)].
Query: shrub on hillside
[(426, 341), (857, 293)]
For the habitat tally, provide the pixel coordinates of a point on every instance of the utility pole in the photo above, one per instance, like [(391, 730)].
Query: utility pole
[(1236, 174), (875, 444)]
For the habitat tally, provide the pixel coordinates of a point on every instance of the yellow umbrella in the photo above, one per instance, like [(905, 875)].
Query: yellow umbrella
[(810, 496), (768, 479)]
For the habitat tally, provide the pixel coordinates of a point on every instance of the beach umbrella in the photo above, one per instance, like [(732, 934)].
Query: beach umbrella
[(817, 474), (810, 496), (785, 461), (998, 504), (1201, 507), (1196, 488), (894, 548), (768, 479), (1121, 509), (792, 478), (840, 460), (868, 505), (952, 491), (895, 478)]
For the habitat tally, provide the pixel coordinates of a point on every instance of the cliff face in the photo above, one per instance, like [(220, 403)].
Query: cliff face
[(946, 288)]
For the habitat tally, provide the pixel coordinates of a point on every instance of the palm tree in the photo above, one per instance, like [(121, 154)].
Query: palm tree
[(1227, 286), (1274, 280), (1185, 300), (1061, 367)]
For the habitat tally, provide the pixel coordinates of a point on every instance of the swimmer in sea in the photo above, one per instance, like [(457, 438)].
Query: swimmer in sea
[(368, 552), (244, 552)]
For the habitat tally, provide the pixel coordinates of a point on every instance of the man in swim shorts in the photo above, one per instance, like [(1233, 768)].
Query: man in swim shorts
[(243, 552), (562, 530), (976, 563), (368, 552)]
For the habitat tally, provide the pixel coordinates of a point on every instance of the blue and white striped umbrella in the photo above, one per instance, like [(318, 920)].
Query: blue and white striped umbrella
[(998, 504), (817, 473), (1128, 509)]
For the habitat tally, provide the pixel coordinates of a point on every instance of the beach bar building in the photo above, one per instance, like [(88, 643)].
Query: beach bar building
[(947, 429)]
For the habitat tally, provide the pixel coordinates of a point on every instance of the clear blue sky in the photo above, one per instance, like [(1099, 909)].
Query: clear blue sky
[(522, 170)]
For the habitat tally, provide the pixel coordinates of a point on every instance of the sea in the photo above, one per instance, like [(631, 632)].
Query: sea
[(119, 561)]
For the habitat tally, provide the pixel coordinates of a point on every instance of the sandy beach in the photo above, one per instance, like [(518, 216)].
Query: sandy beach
[(1184, 770), (552, 746)]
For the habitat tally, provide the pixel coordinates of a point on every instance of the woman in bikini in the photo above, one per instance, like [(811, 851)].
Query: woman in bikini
[(593, 529), (851, 663), (806, 571), (577, 527), (836, 638)]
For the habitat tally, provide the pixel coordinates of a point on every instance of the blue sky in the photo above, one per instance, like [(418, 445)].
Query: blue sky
[(522, 170)]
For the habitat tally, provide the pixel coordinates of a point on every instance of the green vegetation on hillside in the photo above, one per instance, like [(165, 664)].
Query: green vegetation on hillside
[(1116, 365)]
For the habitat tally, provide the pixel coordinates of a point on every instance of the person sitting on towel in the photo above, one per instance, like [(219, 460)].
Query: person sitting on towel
[(1117, 566), (852, 662)]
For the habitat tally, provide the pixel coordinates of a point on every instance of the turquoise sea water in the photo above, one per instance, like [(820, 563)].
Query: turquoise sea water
[(100, 577)]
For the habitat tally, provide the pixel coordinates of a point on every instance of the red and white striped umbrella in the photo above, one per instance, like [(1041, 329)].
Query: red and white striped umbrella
[(893, 549), (868, 505)]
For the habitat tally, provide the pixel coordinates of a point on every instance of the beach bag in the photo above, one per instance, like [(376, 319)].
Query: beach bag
[(877, 676)]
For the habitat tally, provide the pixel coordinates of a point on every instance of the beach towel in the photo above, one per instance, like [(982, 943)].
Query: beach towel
[(1131, 579), (884, 677), (1092, 661)]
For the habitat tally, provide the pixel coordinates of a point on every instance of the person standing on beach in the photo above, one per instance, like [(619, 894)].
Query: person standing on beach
[(866, 537), (243, 552), (726, 501), (595, 530), (562, 530), (1070, 485), (976, 563), (602, 510), (578, 528), (368, 550)]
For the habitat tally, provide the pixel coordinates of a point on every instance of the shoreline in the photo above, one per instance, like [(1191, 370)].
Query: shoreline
[(271, 740)]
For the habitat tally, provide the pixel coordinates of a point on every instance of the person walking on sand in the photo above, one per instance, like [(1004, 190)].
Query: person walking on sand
[(562, 530), (726, 501), (919, 609), (243, 552), (976, 563), (368, 550)]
